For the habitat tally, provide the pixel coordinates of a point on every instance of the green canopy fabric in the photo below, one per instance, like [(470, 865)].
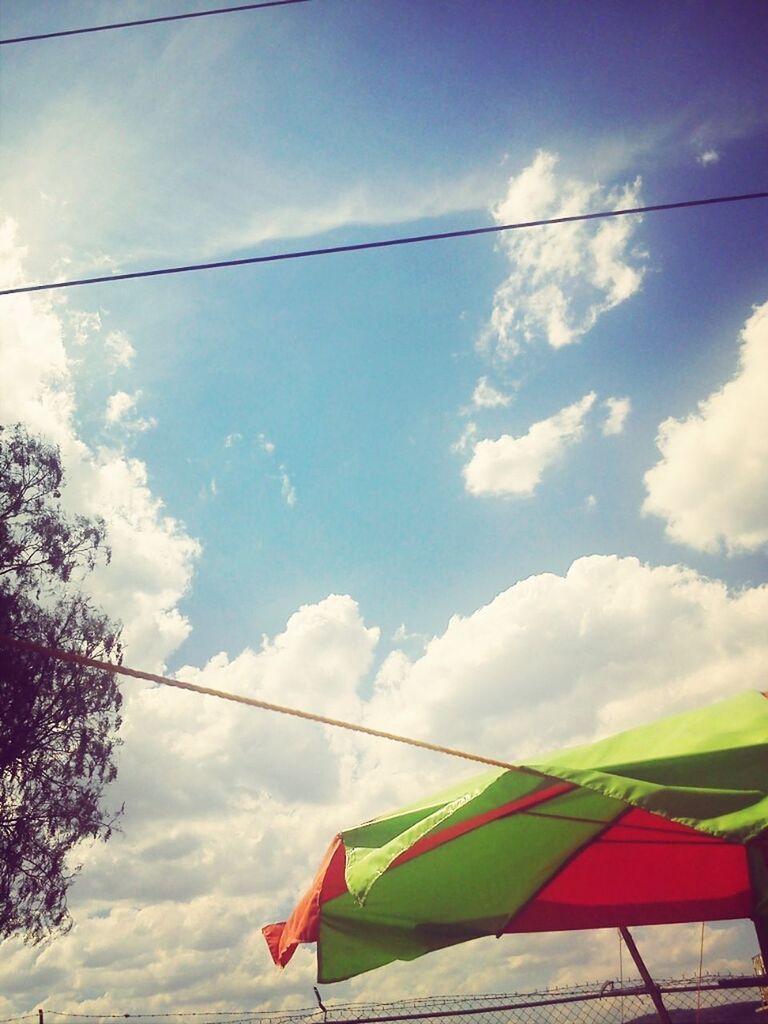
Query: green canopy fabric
[(667, 822)]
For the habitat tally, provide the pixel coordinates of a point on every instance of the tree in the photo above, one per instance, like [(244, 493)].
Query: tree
[(58, 723)]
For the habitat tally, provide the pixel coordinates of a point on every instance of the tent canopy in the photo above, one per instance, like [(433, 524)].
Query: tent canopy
[(664, 823)]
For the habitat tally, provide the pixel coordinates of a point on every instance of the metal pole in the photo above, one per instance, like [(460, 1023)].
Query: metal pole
[(653, 989), (761, 930)]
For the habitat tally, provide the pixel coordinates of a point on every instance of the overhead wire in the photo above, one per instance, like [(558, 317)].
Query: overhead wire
[(70, 657), (149, 21), (380, 244)]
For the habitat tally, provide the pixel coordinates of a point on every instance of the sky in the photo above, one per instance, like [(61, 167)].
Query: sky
[(506, 493)]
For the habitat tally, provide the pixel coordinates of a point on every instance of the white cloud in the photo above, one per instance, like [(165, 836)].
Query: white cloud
[(467, 439), (618, 411), (119, 405), (126, 203), (32, 352), (708, 156), (84, 325), (556, 660), (565, 277), (229, 809), (590, 502), (515, 465), (152, 555), (265, 444), (287, 490), (232, 439), (711, 482), (226, 809), (485, 396), (358, 205), (119, 349)]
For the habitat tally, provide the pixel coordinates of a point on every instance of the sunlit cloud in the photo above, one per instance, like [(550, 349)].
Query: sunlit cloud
[(152, 554), (515, 465), (563, 278), (486, 396), (616, 417), (120, 405), (710, 485)]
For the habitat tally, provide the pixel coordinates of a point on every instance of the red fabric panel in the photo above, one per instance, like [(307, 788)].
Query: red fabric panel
[(643, 870), (304, 923), (439, 838)]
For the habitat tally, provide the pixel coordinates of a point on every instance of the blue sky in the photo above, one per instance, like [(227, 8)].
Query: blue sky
[(417, 430)]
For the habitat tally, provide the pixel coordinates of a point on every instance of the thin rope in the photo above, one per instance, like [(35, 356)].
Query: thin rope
[(149, 21), (381, 244), (106, 666), (701, 962)]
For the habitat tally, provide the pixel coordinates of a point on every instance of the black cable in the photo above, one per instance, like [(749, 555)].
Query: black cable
[(382, 244), (150, 21)]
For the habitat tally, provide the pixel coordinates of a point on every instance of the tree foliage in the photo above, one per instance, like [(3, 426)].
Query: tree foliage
[(58, 722)]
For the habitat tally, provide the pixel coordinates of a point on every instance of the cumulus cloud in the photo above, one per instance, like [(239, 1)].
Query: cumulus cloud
[(486, 396), (229, 809), (562, 278), (618, 411), (32, 353), (556, 660), (226, 810), (708, 156), (152, 555), (515, 465), (711, 483)]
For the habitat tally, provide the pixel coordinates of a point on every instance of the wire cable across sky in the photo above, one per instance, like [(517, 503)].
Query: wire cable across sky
[(380, 244), (150, 21)]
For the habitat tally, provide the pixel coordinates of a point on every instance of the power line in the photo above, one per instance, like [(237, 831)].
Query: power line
[(380, 244), (106, 666), (149, 21)]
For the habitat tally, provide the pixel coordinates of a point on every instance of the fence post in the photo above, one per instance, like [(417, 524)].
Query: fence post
[(40, 1017), (653, 989)]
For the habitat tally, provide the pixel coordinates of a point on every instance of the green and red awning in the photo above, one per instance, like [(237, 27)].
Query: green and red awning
[(662, 824)]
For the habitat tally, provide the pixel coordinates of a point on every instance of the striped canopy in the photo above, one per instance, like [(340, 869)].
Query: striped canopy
[(665, 823)]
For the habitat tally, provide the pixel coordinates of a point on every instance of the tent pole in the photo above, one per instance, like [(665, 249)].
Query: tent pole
[(761, 930), (653, 989)]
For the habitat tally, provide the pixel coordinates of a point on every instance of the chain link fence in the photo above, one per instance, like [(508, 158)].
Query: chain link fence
[(707, 1000)]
